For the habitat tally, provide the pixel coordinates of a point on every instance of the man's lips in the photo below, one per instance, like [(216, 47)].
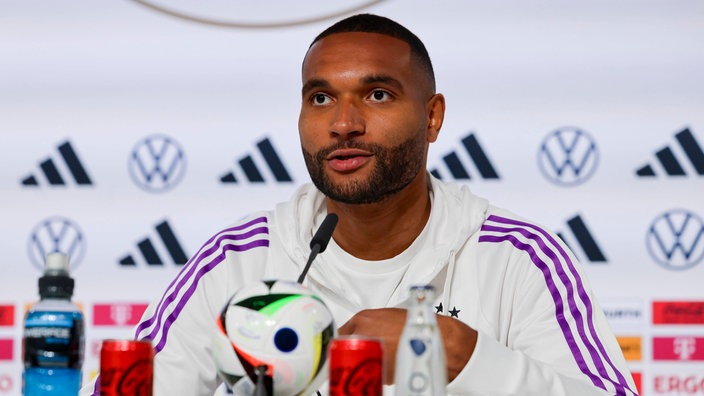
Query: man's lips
[(346, 160)]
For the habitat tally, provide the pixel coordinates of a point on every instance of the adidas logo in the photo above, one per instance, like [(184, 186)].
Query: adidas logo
[(584, 239), (477, 156), (150, 253), (251, 171), (52, 170), (668, 160)]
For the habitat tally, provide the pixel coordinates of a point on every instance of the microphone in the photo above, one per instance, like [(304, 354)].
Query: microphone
[(320, 241)]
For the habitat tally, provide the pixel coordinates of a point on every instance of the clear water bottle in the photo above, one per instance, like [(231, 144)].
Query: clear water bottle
[(53, 341), (420, 358)]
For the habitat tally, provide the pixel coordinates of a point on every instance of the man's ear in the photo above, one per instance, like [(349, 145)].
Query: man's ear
[(435, 112)]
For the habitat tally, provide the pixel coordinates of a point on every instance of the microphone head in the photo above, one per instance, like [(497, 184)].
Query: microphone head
[(324, 233)]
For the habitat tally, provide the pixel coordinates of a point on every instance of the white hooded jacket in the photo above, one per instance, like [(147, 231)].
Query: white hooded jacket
[(541, 331)]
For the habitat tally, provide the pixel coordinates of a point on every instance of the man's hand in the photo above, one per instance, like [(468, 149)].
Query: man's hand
[(386, 324)]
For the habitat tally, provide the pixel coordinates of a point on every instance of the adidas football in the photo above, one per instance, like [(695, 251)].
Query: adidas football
[(275, 332)]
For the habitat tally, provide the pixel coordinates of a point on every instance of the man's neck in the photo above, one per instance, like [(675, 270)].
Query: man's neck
[(382, 230)]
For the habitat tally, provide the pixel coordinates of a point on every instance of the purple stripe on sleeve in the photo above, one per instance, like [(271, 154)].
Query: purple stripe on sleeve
[(192, 288), (557, 299), (581, 291), (621, 385), (568, 286), (190, 268), (221, 257)]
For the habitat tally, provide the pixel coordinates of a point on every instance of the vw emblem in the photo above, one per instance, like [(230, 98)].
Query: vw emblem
[(157, 163), (56, 234), (568, 156), (675, 239)]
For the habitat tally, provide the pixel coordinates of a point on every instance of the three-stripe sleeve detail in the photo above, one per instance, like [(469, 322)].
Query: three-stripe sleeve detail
[(573, 307), (249, 235)]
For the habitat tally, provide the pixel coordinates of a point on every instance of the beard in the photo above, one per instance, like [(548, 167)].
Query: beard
[(394, 168)]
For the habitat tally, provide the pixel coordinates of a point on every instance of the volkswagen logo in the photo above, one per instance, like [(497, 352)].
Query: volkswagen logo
[(568, 156), (675, 239), (56, 234), (263, 14), (157, 163)]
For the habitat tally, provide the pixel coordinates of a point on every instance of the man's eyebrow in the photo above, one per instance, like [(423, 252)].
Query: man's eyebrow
[(383, 79), (313, 84)]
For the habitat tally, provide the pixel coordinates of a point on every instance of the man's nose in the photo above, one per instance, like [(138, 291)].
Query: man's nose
[(348, 120)]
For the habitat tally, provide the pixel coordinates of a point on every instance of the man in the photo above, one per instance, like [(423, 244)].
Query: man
[(515, 311)]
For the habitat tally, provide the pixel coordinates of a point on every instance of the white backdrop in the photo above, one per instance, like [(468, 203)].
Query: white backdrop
[(619, 82)]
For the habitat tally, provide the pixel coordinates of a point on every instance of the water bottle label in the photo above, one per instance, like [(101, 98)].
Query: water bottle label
[(53, 340)]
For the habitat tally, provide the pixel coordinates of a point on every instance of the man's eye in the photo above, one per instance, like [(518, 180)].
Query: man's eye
[(320, 99), (380, 96)]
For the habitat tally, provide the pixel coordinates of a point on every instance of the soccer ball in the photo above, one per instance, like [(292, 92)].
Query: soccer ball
[(276, 328)]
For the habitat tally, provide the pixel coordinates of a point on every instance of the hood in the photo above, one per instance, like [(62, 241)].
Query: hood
[(456, 214)]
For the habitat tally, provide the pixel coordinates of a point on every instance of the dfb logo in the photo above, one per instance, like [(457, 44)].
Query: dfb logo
[(56, 234), (675, 239), (157, 163), (568, 156)]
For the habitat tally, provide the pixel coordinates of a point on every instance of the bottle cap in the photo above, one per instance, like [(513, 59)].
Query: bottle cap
[(56, 262), (56, 282)]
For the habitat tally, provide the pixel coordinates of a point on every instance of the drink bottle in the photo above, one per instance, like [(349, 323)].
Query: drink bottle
[(53, 338), (420, 358)]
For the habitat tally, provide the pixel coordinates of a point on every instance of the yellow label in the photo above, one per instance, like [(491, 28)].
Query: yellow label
[(631, 347)]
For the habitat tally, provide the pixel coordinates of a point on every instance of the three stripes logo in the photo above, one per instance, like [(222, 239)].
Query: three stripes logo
[(150, 252), (57, 172), (252, 173), (668, 160), (476, 155), (584, 239)]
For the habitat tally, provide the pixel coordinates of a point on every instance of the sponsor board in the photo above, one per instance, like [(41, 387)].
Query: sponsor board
[(689, 382), (631, 347), (7, 315), (680, 348), (624, 315), (638, 379), (6, 349), (6, 384), (117, 314), (678, 312)]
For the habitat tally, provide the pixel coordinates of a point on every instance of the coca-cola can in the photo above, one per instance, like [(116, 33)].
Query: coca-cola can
[(356, 366), (126, 368)]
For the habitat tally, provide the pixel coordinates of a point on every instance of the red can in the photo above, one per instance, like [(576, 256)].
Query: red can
[(356, 366), (126, 368)]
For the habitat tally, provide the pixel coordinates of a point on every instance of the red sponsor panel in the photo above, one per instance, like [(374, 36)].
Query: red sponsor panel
[(682, 348), (678, 312), (7, 315), (638, 379), (6, 348), (117, 314), (678, 384)]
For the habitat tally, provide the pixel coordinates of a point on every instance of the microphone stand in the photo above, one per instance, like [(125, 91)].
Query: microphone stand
[(264, 385)]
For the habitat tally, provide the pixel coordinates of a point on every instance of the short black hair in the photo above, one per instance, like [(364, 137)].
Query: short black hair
[(370, 23)]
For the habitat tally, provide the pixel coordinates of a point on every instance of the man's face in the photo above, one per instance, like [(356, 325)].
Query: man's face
[(363, 118)]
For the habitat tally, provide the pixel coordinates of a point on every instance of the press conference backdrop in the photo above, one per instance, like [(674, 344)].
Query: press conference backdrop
[(133, 130)]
